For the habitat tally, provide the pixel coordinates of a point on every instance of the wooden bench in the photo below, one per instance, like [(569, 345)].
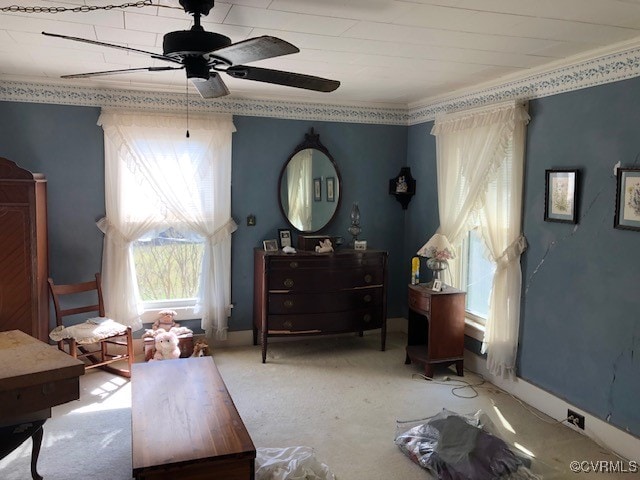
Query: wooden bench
[(185, 425)]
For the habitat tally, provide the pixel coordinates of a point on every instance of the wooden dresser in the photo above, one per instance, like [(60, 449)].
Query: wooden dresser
[(24, 264), (436, 327), (310, 293)]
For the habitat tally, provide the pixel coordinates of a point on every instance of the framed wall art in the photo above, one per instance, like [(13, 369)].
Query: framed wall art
[(628, 199), (317, 189), (331, 189), (561, 192)]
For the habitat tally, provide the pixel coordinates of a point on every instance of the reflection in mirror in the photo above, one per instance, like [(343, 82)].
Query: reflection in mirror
[(310, 186)]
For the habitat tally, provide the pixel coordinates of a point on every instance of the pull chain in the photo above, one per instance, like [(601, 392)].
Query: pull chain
[(186, 95)]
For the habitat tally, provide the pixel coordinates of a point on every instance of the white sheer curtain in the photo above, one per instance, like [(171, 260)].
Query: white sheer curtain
[(299, 187), (157, 178), (480, 181)]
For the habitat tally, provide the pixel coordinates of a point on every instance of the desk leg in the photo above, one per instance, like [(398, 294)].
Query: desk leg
[(36, 438)]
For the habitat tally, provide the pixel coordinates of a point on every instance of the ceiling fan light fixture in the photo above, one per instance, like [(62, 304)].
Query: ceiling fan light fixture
[(201, 7)]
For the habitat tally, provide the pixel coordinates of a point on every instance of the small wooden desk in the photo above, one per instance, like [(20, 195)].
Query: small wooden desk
[(34, 377), (185, 425)]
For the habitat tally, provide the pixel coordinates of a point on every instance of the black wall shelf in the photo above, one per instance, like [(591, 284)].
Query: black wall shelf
[(403, 194)]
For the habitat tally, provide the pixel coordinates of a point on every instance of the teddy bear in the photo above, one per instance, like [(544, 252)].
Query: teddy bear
[(166, 344), (200, 349), (325, 246), (165, 321)]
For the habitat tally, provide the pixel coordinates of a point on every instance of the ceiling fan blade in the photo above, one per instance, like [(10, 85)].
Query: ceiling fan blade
[(125, 70), (211, 88), (254, 49), (111, 45), (278, 77)]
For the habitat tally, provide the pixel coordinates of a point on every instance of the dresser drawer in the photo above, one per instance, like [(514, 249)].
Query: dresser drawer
[(314, 280), (419, 302), (287, 302), (335, 322), (331, 261)]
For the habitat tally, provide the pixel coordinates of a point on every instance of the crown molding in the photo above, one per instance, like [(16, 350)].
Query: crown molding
[(607, 65), (599, 67), (171, 102)]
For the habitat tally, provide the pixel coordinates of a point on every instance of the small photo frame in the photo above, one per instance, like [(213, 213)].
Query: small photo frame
[(331, 189), (360, 245), (270, 245), (561, 193), (317, 189), (437, 285), (285, 237), (628, 199)]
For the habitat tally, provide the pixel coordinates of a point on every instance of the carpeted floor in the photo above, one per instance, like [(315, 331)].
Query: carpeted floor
[(341, 396)]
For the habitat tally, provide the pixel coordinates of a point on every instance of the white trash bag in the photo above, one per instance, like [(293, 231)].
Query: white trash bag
[(291, 463)]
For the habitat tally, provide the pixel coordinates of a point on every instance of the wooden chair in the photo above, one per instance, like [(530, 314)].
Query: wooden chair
[(114, 340)]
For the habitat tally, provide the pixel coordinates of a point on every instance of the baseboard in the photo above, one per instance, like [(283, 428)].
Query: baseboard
[(601, 432)]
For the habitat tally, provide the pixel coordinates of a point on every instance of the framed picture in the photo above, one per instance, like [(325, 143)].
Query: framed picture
[(331, 189), (437, 285), (285, 237), (628, 199), (317, 189), (561, 189), (270, 245)]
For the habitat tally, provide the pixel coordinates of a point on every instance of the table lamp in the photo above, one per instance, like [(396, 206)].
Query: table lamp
[(437, 250)]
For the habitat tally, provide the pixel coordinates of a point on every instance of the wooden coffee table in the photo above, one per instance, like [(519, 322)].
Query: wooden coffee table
[(185, 425)]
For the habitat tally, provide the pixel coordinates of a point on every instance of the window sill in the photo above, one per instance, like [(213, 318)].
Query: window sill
[(474, 329)]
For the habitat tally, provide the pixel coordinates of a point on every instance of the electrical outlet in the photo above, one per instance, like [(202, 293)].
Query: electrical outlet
[(575, 419)]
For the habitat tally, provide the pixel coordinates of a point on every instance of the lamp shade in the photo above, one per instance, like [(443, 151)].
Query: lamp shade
[(437, 247)]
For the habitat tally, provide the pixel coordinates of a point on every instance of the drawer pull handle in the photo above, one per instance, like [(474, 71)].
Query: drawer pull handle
[(287, 325), (368, 278), (288, 283), (367, 298), (367, 318), (293, 264), (288, 303)]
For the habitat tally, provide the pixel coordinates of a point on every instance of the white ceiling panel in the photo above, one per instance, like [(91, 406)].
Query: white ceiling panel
[(291, 22), (394, 52)]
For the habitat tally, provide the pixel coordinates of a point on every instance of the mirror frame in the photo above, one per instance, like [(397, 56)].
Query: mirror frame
[(311, 140)]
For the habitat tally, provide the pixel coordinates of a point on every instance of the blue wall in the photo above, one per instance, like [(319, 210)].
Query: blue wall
[(580, 322), (367, 156), (580, 325), (65, 144)]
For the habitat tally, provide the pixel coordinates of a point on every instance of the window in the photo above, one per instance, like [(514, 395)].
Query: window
[(168, 218), (168, 267), (476, 272), (168, 257)]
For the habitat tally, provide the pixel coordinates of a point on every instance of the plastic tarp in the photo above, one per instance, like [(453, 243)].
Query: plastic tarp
[(462, 447), (291, 463)]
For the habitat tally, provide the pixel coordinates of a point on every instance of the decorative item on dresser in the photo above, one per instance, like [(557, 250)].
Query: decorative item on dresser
[(24, 261), (318, 293), (436, 327)]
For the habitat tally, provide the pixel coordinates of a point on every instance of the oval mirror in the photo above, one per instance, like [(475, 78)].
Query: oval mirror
[(309, 186)]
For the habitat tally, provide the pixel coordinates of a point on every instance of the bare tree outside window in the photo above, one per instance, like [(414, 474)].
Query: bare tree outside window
[(168, 266)]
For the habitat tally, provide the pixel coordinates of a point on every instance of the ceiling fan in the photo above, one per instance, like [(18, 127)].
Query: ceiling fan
[(203, 55)]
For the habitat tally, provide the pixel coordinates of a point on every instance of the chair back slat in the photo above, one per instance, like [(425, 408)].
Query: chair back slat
[(64, 290)]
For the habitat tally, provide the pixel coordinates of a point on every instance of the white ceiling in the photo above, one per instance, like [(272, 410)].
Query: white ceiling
[(393, 52)]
